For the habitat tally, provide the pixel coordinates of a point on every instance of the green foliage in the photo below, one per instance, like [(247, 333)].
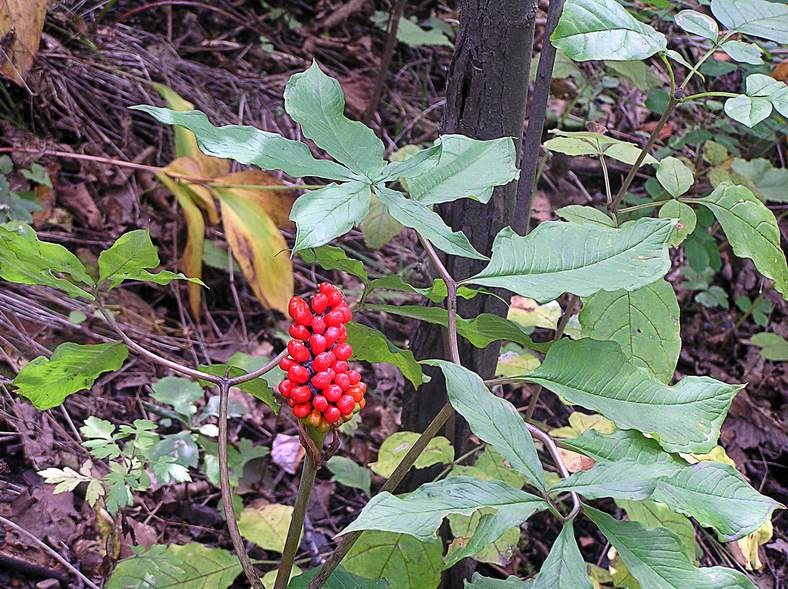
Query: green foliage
[(339, 579), (410, 33), (71, 368), (372, 346), (348, 473), (18, 206), (674, 176), (564, 567), (773, 347), (393, 448), (330, 257), (596, 144), (266, 525), (759, 18)]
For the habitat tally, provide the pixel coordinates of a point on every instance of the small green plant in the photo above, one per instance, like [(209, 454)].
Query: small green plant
[(19, 206)]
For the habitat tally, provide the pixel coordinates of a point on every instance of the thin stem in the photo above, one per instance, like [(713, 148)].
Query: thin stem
[(233, 382), (608, 191), (388, 52), (308, 472), (549, 443), (707, 95), (647, 205), (49, 550), (703, 59), (227, 493)]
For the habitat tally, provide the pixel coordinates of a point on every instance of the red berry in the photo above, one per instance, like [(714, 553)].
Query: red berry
[(291, 402), (319, 303), (331, 335), (303, 317), (340, 366), (355, 377), (318, 344), (296, 305), (342, 351), (334, 318), (298, 350), (286, 387), (332, 414), (335, 298), (302, 394), (298, 374), (302, 410), (286, 363), (342, 380), (347, 314), (320, 403), (326, 288), (299, 331), (357, 391), (322, 361), (333, 393), (322, 379), (346, 404), (318, 325), (342, 334)]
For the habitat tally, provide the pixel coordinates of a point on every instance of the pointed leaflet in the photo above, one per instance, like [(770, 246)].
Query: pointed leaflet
[(493, 419), (653, 514), (370, 345), (339, 579), (259, 247), (129, 258), (748, 110), (26, 260), (718, 497), (72, 368), (330, 257), (316, 102), (603, 29), (412, 164), (324, 214), (596, 375), (588, 143), (479, 582), (427, 222), (564, 567), (487, 537), (674, 176), (404, 561), (697, 23), (248, 145), (584, 214), (759, 18), (467, 168), (644, 322), (625, 479), (581, 259), (420, 513), (751, 230), (655, 557), (620, 445)]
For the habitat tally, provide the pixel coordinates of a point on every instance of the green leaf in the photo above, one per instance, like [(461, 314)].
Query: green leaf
[(418, 216), (718, 497), (411, 161), (324, 214), (584, 214), (760, 176), (773, 347), (674, 176), (748, 110), (330, 257), (181, 393), (625, 479), (775, 91), (595, 144), (266, 526), (378, 226), (247, 145), (493, 419), (339, 579), (622, 445), (466, 168), (743, 52), (480, 331), (564, 567), (410, 33), (687, 220), (489, 466), (581, 259), (638, 73), (394, 448), (130, 257), (316, 102), (603, 29), (697, 23), (188, 566), (72, 368), (435, 293), (420, 513), (260, 388), (483, 536), (759, 18), (655, 557), (657, 515), (38, 174), (684, 418), (403, 561), (751, 230), (512, 582), (26, 260), (644, 322), (348, 473), (370, 345)]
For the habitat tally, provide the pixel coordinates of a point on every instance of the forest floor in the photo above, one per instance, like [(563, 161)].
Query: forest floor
[(232, 61)]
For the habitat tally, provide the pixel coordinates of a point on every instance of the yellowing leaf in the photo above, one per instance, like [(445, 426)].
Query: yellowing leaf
[(746, 549), (528, 313), (276, 203), (266, 526), (21, 22), (186, 166), (259, 247)]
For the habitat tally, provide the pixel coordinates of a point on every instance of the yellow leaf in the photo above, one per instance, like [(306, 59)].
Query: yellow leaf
[(186, 166), (185, 143), (259, 247), (276, 203), (746, 549), (21, 22), (528, 313)]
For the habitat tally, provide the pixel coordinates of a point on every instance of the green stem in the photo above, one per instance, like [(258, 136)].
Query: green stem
[(647, 205), (707, 95)]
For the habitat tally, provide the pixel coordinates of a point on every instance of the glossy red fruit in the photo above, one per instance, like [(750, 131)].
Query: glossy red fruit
[(298, 374), (347, 314), (291, 402), (342, 380), (318, 343), (319, 303), (342, 351), (302, 394), (346, 404), (320, 403), (357, 391), (326, 288), (322, 379), (335, 298), (323, 361), (303, 317), (318, 325), (332, 414), (286, 363), (342, 334), (298, 350), (286, 387), (333, 393), (302, 410), (332, 335), (334, 318), (340, 366), (299, 331), (296, 305), (355, 377)]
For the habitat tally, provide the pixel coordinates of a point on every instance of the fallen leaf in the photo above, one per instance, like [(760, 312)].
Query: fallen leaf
[(276, 203), (21, 23)]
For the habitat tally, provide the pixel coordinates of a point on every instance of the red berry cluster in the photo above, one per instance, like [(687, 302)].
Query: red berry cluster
[(320, 386)]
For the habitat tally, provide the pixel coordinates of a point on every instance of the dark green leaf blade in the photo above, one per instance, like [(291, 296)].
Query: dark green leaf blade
[(564, 567), (370, 345)]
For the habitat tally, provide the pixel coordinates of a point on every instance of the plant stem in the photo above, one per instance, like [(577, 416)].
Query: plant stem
[(708, 94), (233, 382), (647, 205), (388, 51), (549, 443)]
